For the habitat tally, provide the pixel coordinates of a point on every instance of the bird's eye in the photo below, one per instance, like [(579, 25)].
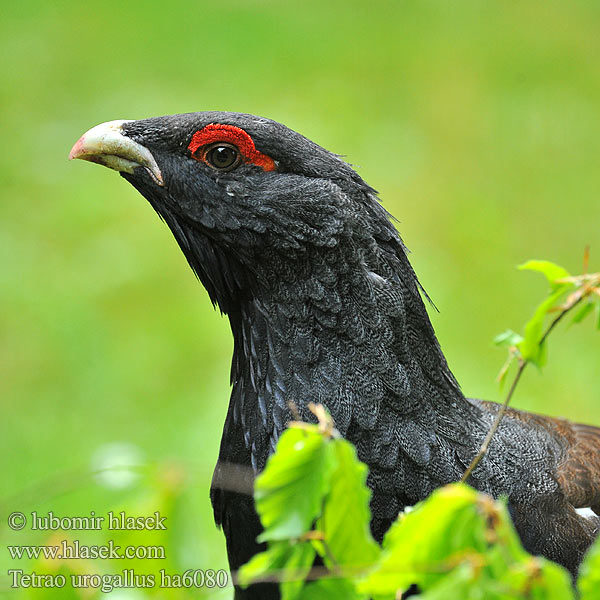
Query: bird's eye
[(222, 156)]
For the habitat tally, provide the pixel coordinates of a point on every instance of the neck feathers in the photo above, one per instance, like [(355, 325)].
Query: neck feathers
[(343, 328)]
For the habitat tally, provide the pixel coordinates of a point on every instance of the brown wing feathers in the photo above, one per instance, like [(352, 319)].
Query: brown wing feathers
[(579, 472)]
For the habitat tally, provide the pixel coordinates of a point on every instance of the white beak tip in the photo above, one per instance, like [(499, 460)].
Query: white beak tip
[(106, 144)]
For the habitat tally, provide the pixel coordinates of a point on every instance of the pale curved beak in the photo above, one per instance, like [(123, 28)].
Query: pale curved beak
[(106, 144)]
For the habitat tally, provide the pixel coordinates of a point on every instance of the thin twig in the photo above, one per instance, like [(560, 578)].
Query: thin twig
[(522, 364), (488, 438)]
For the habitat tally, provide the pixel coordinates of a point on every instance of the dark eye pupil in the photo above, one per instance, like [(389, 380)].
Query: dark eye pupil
[(222, 157)]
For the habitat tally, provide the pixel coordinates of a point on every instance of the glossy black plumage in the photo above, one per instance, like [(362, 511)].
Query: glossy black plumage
[(325, 307)]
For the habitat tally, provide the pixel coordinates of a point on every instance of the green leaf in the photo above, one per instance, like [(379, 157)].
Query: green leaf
[(290, 491), (346, 517), (507, 546), (455, 585), (588, 583), (539, 579), (530, 347), (508, 338), (583, 312), (284, 561), (331, 589), (423, 545), (461, 544), (466, 583), (553, 582), (550, 270)]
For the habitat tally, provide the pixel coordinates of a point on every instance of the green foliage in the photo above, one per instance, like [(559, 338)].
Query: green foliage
[(299, 476), (332, 589), (345, 518), (287, 562), (583, 312), (312, 480), (589, 574), (584, 289), (531, 347), (457, 543), (508, 338), (551, 271), (312, 499)]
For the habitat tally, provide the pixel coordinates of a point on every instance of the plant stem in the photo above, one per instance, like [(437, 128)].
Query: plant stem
[(522, 364)]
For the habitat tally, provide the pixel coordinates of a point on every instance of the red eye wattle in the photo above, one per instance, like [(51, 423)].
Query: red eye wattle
[(217, 145)]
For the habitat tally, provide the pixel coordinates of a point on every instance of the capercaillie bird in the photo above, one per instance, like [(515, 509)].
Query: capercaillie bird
[(325, 307)]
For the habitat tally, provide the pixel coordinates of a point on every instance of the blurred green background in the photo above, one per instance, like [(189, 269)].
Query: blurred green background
[(478, 122)]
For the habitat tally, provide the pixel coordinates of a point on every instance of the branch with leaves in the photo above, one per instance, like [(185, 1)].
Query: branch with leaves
[(567, 292), (313, 502)]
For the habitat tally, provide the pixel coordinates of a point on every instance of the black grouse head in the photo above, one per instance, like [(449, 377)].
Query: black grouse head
[(244, 196), (295, 247)]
